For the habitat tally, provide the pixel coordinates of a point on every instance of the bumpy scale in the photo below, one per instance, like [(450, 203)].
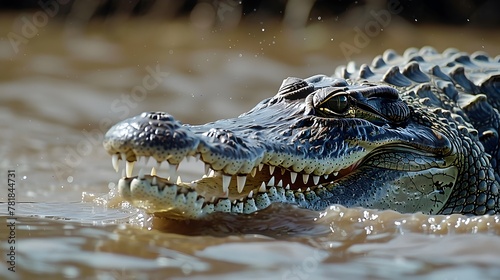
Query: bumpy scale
[(417, 132)]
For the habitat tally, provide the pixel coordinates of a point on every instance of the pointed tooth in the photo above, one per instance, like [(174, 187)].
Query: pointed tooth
[(293, 176), (153, 171), (150, 161), (308, 189), (212, 200), (260, 166), (335, 173), (250, 194), (283, 170), (254, 171), (141, 173), (211, 173), (280, 183), (154, 181), (115, 161), (326, 176), (129, 168), (262, 187), (226, 180), (179, 180), (271, 181), (271, 169), (207, 168), (141, 161), (241, 182), (287, 187), (305, 178), (173, 170), (299, 190), (316, 179)]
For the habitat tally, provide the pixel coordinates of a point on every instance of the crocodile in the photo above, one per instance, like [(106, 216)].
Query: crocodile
[(412, 132)]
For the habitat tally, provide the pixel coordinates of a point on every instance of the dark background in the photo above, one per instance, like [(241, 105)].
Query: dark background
[(481, 13)]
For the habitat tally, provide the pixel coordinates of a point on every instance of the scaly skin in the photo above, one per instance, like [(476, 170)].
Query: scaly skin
[(413, 133)]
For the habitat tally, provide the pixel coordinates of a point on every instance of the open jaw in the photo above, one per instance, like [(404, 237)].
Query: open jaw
[(317, 142), (214, 191), (368, 179)]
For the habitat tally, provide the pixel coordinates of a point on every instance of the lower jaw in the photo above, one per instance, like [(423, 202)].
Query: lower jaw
[(196, 200)]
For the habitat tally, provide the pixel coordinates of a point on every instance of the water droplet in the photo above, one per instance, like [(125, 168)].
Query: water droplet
[(70, 179), (25, 177)]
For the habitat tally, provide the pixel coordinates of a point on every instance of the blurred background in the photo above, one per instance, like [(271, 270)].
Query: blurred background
[(71, 69)]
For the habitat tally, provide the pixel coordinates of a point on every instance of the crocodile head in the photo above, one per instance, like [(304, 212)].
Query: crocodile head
[(319, 141)]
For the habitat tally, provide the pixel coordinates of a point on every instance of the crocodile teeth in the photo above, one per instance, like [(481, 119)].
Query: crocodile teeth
[(326, 176), (225, 183), (250, 194), (287, 187), (173, 171), (141, 173), (262, 188), (280, 183), (211, 173), (260, 166), (151, 161), (240, 182), (305, 178), (129, 168), (293, 176), (335, 173), (154, 181), (141, 160), (271, 181), (153, 171), (316, 179), (207, 168), (271, 169), (115, 161), (254, 171), (283, 170), (179, 180)]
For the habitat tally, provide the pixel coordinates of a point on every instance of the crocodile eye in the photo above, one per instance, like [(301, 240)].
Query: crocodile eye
[(337, 104)]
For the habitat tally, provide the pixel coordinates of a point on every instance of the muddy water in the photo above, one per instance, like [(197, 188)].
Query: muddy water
[(63, 88)]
